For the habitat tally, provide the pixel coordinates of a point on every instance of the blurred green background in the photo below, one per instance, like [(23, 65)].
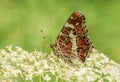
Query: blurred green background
[(25, 23)]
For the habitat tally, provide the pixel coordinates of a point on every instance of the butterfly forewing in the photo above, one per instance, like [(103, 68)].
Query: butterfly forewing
[(73, 41)]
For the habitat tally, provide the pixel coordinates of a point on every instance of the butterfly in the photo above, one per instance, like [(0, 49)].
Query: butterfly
[(73, 41)]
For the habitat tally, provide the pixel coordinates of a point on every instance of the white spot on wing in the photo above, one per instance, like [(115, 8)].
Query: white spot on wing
[(71, 17), (69, 25), (77, 23), (74, 45)]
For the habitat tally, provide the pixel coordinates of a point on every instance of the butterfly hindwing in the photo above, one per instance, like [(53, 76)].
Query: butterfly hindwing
[(73, 40)]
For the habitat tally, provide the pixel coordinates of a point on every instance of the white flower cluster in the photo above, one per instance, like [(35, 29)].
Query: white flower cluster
[(16, 62)]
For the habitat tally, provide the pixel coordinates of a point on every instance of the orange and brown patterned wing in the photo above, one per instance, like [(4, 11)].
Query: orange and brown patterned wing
[(73, 40)]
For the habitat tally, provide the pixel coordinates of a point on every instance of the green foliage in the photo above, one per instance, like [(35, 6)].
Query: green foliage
[(21, 22)]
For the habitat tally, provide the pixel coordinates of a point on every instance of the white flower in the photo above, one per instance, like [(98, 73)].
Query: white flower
[(16, 62), (47, 78), (15, 72), (7, 74), (40, 71), (29, 77)]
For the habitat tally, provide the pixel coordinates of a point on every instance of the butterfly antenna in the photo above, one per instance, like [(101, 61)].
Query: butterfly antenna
[(43, 35)]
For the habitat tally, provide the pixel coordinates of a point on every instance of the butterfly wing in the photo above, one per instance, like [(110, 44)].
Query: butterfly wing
[(73, 40)]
